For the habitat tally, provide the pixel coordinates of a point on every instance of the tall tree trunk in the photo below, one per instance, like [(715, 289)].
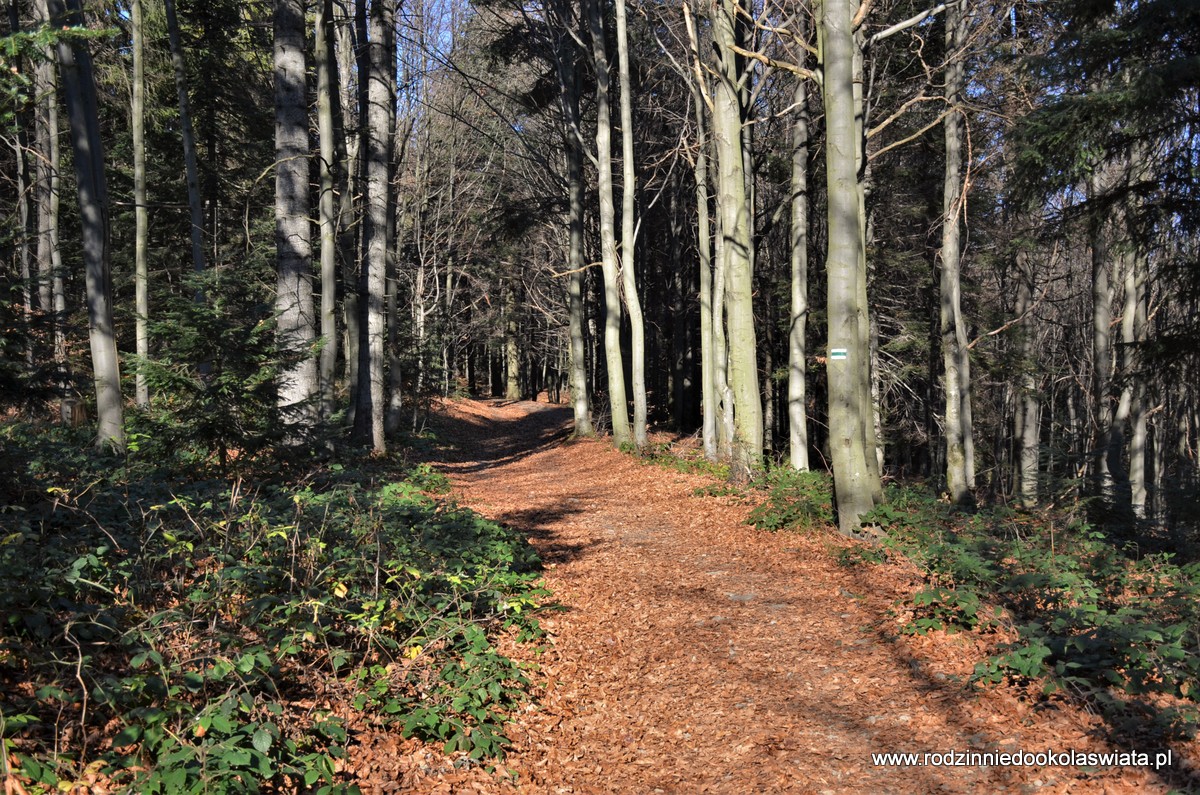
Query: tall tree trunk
[(954, 336), (141, 213), (296, 329), (736, 233), (798, 317), (512, 353), (848, 350), (51, 292), (24, 201), (568, 76), (189, 138), (1029, 408), (330, 165), (628, 258), (1102, 358), (618, 402), (708, 378), (377, 155), (79, 89)]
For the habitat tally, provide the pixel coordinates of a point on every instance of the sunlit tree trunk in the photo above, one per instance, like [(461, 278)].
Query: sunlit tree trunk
[(734, 208), (954, 336), (798, 317), (141, 214), (377, 157), (618, 402), (329, 165), (1102, 358), (79, 89), (848, 350), (568, 75), (628, 259), (708, 380), (296, 324)]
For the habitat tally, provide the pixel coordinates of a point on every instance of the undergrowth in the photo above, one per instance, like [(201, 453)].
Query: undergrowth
[(169, 632), (1091, 613)]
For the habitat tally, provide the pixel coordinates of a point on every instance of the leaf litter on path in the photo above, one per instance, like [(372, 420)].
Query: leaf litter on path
[(695, 654)]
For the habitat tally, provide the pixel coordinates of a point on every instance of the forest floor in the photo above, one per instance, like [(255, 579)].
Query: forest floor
[(695, 654)]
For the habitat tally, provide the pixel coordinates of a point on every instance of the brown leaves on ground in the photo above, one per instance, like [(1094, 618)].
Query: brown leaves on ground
[(695, 654)]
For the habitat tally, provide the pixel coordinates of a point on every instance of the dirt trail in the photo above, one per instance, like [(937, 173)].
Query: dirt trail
[(697, 654)]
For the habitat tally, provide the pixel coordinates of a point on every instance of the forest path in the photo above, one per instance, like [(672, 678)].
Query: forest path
[(697, 654)]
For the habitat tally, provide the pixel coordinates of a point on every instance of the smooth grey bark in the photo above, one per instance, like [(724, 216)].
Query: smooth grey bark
[(628, 258), (955, 356), (141, 213), (1029, 408), (568, 77), (736, 234), (798, 316), (295, 320), (327, 86), (377, 158), (79, 90), (618, 401), (187, 131), (848, 350), (704, 247)]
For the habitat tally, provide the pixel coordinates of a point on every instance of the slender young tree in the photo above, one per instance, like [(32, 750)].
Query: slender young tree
[(79, 90), (628, 258), (141, 212)]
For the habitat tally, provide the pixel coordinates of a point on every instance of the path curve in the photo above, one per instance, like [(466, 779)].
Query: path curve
[(698, 655)]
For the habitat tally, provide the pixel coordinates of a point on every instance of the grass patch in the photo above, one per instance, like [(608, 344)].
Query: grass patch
[(167, 632)]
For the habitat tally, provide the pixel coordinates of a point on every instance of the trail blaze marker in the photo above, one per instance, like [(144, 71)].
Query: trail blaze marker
[(837, 354)]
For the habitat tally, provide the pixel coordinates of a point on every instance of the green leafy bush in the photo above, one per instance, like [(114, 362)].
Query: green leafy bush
[(1091, 614), (187, 626), (795, 500)]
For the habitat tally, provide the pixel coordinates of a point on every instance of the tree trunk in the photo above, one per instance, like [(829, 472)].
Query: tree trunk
[(708, 378), (622, 433), (141, 214), (628, 258), (329, 166), (736, 233), (569, 94), (1102, 358), (954, 336), (848, 350), (79, 88), (377, 155), (189, 136), (296, 324), (798, 317), (51, 289), (1029, 407)]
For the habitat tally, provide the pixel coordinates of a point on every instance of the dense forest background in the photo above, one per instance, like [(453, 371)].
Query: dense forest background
[(942, 243), (978, 272)]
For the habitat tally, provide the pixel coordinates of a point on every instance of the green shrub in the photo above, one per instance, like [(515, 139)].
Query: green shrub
[(189, 625), (795, 500)]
